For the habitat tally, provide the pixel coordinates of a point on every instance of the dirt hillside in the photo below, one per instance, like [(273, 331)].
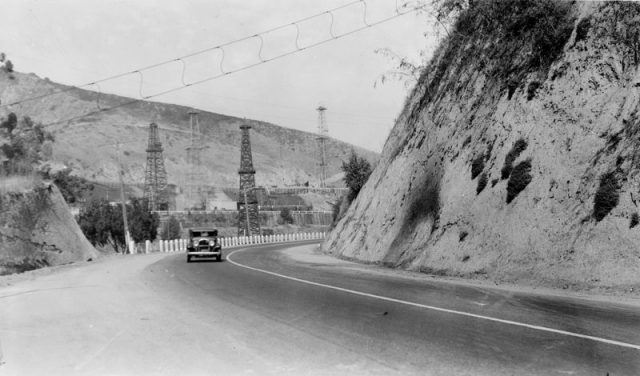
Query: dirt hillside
[(37, 229), (517, 156), (280, 155)]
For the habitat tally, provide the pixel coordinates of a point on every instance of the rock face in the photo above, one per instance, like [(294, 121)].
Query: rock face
[(511, 171), (37, 229)]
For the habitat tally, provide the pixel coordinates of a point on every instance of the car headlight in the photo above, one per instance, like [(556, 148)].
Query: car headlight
[(212, 243)]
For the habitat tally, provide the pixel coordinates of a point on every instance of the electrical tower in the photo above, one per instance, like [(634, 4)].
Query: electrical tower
[(155, 176), (248, 212), (323, 134), (195, 176)]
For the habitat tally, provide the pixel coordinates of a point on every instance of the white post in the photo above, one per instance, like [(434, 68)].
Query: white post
[(147, 247), (132, 247), (160, 245)]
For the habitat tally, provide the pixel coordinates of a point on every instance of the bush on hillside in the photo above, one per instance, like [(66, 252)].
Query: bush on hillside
[(24, 144), (512, 155), (635, 219), (607, 195), (285, 216), (477, 165), (482, 183), (519, 179), (73, 188), (511, 38), (356, 173), (424, 203)]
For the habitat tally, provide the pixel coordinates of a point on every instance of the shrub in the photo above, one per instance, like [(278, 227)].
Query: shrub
[(607, 196), (8, 66), (583, 29), (425, 203), (73, 188), (463, 235), (512, 155), (532, 89), (482, 183), (171, 229), (519, 179), (634, 220), (356, 173), (477, 165), (102, 223), (285, 214), (494, 182)]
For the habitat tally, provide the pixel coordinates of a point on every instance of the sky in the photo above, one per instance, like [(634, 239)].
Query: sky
[(75, 42)]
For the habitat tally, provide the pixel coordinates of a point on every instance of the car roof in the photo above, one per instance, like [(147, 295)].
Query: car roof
[(203, 229)]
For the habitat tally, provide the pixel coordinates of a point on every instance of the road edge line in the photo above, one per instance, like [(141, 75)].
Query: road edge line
[(434, 308)]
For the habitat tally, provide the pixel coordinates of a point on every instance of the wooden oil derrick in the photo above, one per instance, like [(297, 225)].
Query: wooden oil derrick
[(155, 177), (248, 213)]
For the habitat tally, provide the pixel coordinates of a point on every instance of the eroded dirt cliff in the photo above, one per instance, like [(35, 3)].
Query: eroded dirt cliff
[(37, 229), (516, 157)]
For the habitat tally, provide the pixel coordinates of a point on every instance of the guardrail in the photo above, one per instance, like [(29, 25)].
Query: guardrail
[(180, 245)]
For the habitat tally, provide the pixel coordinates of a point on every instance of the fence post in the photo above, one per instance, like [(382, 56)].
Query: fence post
[(147, 247), (132, 247)]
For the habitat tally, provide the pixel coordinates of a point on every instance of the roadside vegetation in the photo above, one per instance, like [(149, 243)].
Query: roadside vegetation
[(102, 223), (356, 173)]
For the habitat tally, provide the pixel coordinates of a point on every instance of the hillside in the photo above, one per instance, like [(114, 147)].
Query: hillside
[(516, 157), (280, 155), (37, 228)]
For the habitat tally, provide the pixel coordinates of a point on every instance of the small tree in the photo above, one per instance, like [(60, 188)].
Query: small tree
[(143, 225), (10, 123), (8, 66), (102, 224), (285, 214), (73, 188), (356, 173), (171, 229)]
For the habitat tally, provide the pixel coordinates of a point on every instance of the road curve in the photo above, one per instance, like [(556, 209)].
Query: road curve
[(282, 309)]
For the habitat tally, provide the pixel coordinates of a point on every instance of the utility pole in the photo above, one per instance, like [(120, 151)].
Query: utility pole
[(323, 133), (127, 236)]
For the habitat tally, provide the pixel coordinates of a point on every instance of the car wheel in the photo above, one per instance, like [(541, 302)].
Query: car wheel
[(188, 258), (219, 258)]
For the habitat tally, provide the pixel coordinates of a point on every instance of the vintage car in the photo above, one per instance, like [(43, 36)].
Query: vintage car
[(204, 243)]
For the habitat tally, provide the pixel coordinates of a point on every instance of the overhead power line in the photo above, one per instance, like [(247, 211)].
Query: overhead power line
[(400, 10)]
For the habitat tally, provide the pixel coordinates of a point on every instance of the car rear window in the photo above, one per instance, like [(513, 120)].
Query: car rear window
[(203, 233)]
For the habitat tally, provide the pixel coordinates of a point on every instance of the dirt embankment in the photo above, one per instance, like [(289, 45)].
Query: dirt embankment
[(516, 156), (37, 229)]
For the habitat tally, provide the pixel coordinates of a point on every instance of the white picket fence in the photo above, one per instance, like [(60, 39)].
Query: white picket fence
[(180, 245)]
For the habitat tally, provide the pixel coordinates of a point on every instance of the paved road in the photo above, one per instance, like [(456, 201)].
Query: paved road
[(272, 311)]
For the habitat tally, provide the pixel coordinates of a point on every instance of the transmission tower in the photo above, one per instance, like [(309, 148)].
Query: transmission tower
[(155, 176), (248, 212), (193, 185), (323, 134)]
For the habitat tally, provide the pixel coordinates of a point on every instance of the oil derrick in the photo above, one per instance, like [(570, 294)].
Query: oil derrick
[(248, 214), (155, 176), (193, 185), (323, 134)]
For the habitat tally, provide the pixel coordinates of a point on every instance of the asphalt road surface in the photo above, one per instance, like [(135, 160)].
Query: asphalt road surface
[(286, 310)]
